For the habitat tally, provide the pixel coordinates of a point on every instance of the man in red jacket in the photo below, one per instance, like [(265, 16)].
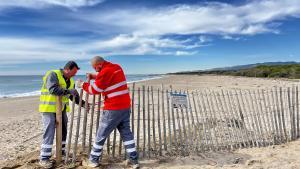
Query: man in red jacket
[(111, 82)]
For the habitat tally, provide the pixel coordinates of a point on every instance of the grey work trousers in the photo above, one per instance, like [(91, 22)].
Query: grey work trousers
[(49, 126), (110, 120)]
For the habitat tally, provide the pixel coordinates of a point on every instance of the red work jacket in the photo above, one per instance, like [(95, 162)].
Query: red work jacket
[(111, 82)]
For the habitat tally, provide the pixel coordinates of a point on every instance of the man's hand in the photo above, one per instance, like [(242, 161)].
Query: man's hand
[(79, 83), (90, 76), (73, 92)]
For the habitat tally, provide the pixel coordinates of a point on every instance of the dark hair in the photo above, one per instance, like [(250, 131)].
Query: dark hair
[(71, 64)]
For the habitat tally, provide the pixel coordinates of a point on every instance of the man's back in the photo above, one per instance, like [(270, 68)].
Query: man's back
[(113, 82)]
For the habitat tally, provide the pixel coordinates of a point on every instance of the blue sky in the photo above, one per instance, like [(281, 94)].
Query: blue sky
[(157, 36)]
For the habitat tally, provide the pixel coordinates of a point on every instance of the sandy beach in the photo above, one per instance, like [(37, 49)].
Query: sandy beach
[(21, 130)]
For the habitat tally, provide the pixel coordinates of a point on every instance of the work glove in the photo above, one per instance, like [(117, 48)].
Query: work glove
[(79, 83), (73, 92)]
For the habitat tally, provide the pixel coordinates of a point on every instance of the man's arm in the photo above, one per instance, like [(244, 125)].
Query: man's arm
[(96, 87), (52, 84), (91, 76), (77, 99)]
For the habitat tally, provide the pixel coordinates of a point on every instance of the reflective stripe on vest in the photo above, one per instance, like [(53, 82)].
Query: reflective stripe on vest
[(47, 100), (93, 85), (49, 103), (115, 86), (114, 94)]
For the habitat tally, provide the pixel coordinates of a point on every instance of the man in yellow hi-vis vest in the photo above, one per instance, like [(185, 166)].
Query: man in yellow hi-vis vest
[(56, 83)]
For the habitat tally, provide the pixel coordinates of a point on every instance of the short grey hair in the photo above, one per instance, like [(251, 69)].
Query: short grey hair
[(97, 59)]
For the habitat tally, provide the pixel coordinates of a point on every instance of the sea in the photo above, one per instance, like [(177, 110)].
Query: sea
[(30, 85)]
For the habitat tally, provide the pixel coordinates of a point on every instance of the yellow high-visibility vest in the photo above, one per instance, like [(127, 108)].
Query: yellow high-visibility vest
[(47, 100)]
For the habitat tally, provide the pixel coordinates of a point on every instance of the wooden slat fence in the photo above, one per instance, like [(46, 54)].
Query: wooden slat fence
[(213, 120)]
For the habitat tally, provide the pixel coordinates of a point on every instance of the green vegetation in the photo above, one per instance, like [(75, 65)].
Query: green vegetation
[(291, 71)]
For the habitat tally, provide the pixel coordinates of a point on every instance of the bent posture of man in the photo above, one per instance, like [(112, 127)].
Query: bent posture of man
[(111, 82), (56, 83)]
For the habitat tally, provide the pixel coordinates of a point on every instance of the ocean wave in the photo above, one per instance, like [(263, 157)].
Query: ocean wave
[(34, 93), (146, 78), (130, 80)]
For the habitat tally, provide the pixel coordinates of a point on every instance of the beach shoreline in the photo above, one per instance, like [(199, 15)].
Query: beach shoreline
[(31, 84)]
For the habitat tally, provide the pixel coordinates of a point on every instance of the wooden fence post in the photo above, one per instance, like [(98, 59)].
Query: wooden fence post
[(297, 111), (201, 114), (282, 114), (144, 121), (277, 99), (132, 107), (234, 123), (174, 125), (98, 112), (169, 118), (218, 113), (70, 131), (248, 117), (265, 114), (188, 110), (58, 129), (138, 122), (210, 115), (85, 122), (78, 127), (194, 137), (158, 122), (267, 105), (228, 122), (238, 120), (153, 118), (256, 120), (262, 117), (164, 117), (276, 120), (148, 113), (91, 124), (241, 114), (252, 123)]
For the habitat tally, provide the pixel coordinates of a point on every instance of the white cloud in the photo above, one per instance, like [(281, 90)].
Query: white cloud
[(204, 39), (143, 30), (46, 3), (212, 18), (183, 53), (228, 37), (23, 50), (137, 45)]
